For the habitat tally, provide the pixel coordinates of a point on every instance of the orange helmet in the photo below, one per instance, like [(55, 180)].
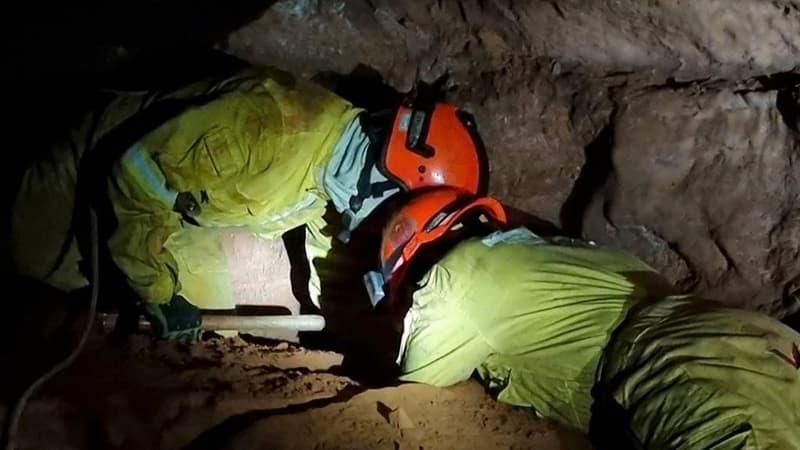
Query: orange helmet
[(434, 144), (422, 220)]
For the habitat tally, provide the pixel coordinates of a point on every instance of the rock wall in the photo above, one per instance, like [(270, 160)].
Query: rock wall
[(710, 176), (685, 39)]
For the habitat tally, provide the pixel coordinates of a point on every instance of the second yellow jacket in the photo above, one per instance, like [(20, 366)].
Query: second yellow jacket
[(253, 157)]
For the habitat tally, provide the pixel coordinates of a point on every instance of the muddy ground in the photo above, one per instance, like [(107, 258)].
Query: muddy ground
[(235, 393)]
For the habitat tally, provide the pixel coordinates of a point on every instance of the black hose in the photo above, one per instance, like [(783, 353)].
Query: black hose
[(19, 407)]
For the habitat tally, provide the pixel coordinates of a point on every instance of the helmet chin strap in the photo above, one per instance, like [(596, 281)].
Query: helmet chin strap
[(376, 128), (375, 283)]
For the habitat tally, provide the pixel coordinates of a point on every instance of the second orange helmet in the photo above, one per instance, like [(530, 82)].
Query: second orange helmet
[(434, 145)]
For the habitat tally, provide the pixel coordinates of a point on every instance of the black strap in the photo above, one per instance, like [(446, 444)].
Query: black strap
[(376, 133), (363, 190)]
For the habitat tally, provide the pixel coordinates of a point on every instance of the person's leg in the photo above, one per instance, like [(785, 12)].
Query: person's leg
[(688, 374)]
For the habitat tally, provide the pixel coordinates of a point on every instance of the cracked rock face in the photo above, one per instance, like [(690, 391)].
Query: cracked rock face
[(686, 40), (714, 174)]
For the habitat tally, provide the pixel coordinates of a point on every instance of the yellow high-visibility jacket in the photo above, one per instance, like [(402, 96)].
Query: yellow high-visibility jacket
[(580, 332), (252, 156), (531, 317), (688, 374)]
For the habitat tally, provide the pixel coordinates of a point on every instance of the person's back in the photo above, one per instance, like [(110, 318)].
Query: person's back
[(532, 317), (248, 148), (684, 373), (562, 328)]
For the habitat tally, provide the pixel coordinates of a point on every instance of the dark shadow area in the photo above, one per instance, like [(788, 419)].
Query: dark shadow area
[(793, 321), (593, 176), (791, 299), (39, 325), (56, 53), (519, 218), (788, 104), (363, 87), (607, 427), (353, 327), (57, 56), (48, 37), (221, 434), (294, 242), (788, 99), (258, 310)]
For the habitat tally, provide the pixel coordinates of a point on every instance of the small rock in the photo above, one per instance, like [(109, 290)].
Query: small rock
[(400, 419)]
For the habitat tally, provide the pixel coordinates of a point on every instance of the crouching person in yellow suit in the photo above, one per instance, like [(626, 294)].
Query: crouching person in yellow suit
[(580, 334), (258, 151)]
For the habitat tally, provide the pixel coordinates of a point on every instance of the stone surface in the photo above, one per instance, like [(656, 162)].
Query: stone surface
[(686, 40), (535, 136), (709, 176)]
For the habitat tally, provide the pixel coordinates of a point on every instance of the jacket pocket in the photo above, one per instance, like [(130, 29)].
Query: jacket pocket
[(216, 153)]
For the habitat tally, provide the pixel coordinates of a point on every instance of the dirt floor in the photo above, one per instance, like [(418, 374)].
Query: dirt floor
[(235, 393)]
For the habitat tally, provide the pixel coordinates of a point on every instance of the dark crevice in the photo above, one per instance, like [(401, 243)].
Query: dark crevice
[(593, 176), (219, 435), (793, 321), (690, 282), (791, 302), (788, 105), (780, 80), (462, 12), (788, 98), (558, 10), (674, 85)]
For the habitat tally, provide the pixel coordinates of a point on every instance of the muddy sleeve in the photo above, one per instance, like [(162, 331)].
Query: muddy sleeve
[(440, 345), (145, 220)]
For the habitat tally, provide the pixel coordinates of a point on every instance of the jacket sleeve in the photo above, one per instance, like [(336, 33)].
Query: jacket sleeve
[(145, 220), (255, 152), (440, 345)]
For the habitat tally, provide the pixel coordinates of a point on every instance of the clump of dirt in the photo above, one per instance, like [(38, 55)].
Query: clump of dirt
[(237, 393)]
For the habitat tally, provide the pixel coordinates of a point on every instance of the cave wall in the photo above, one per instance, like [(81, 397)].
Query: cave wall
[(687, 40), (665, 128), (712, 172)]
